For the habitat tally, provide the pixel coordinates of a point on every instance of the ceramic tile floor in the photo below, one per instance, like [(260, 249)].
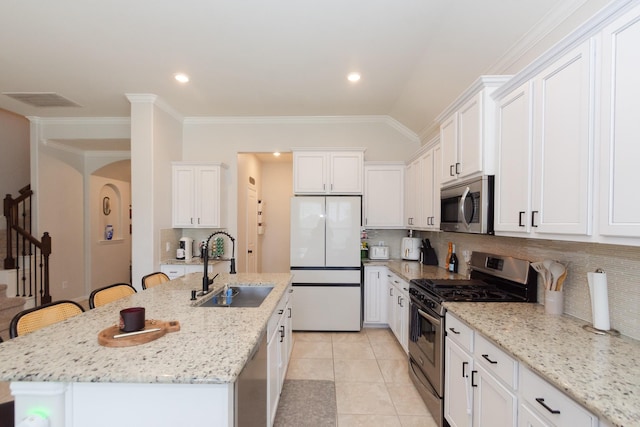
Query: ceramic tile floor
[(370, 372)]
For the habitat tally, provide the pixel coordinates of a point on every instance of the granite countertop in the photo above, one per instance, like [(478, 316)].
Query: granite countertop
[(212, 345), (409, 270), (601, 372)]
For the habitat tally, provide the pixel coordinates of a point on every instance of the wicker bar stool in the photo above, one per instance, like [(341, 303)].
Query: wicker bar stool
[(35, 318), (110, 293), (154, 279)]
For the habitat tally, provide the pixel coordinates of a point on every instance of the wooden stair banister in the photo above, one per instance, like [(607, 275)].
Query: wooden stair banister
[(26, 245)]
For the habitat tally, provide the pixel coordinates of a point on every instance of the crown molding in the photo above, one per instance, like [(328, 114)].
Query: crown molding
[(480, 83), (279, 120), (538, 32), (585, 31), (150, 98), (86, 153), (80, 120)]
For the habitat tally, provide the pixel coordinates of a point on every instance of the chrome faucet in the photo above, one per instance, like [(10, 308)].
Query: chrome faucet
[(205, 279)]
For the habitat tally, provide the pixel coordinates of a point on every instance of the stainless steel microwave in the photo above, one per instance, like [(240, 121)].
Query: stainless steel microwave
[(467, 207)]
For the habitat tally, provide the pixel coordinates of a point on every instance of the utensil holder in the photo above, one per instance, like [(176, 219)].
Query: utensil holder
[(553, 302)]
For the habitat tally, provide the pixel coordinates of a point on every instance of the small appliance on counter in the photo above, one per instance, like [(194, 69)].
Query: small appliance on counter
[(185, 249), (411, 248), (379, 252)]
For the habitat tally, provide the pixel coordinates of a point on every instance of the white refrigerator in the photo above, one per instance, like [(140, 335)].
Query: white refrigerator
[(325, 263)]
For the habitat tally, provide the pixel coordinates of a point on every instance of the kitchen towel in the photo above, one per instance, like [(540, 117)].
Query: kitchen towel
[(599, 300)]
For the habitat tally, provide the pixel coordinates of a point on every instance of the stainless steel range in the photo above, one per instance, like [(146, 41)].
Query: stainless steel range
[(493, 278)]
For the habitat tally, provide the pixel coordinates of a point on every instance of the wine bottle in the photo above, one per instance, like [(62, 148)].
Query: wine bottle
[(453, 261), (448, 259)]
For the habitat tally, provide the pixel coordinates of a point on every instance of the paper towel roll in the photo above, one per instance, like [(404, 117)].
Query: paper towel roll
[(599, 300)]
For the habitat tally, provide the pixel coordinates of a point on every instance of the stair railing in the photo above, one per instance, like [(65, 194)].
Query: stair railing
[(25, 253)]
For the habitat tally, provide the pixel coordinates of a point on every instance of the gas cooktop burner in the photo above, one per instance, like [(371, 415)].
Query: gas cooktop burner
[(464, 290)]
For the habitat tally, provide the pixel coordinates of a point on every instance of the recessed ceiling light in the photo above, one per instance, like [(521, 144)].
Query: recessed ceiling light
[(276, 154), (353, 77), (181, 77)]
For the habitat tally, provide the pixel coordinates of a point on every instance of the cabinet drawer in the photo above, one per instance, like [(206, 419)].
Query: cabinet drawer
[(496, 361), (173, 271), (459, 332), (551, 403), (277, 314)]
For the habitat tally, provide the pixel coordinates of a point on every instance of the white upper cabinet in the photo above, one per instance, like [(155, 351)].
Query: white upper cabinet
[(563, 145), (413, 195), (545, 151), (328, 172), (620, 131), (197, 192), (422, 188), (467, 132), (513, 169), (429, 189), (383, 195)]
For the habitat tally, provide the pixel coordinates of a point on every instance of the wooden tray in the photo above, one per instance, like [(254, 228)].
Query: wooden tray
[(106, 336)]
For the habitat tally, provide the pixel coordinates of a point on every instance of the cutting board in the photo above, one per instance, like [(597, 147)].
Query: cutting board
[(106, 336)]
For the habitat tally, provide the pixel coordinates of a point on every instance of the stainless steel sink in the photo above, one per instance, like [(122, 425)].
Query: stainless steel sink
[(241, 296)]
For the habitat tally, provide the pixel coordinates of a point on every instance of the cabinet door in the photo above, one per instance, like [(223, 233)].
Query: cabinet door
[(208, 196), (529, 418), (391, 295), (562, 188), (493, 404), (273, 391), (384, 196), (310, 172), (183, 196), (470, 138), (375, 288), (513, 177), (620, 127), (449, 142), (345, 169), (403, 317), (430, 189), (411, 191), (289, 327), (458, 400)]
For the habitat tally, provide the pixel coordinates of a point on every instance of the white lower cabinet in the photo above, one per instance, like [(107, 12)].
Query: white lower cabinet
[(398, 309), (494, 404), (178, 270), (375, 292), (485, 386), (279, 346), (458, 403), (548, 406)]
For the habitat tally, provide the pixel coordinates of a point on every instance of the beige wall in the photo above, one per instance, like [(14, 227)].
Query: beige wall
[(109, 259), (277, 189), (14, 161)]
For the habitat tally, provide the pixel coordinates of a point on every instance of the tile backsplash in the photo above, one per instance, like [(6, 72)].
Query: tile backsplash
[(621, 263)]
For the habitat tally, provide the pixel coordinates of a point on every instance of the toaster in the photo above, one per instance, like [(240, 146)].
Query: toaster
[(378, 252)]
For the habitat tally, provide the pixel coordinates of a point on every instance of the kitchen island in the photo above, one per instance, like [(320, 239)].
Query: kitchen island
[(182, 378)]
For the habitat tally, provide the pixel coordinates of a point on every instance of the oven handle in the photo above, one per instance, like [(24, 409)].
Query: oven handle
[(429, 317)]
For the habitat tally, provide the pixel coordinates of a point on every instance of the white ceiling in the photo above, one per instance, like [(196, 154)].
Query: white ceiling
[(259, 57)]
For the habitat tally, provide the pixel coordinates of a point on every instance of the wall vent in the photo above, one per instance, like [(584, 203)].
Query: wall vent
[(42, 99)]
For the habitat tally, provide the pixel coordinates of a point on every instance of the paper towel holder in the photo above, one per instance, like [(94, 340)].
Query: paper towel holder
[(590, 328), (612, 332)]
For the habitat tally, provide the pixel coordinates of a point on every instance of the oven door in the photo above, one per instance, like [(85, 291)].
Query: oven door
[(426, 344)]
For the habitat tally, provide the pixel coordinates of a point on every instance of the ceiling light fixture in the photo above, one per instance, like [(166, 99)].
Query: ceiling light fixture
[(181, 77), (277, 154), (353, 77)]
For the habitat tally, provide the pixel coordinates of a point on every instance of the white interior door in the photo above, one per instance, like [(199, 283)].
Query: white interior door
[(252, 230)]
